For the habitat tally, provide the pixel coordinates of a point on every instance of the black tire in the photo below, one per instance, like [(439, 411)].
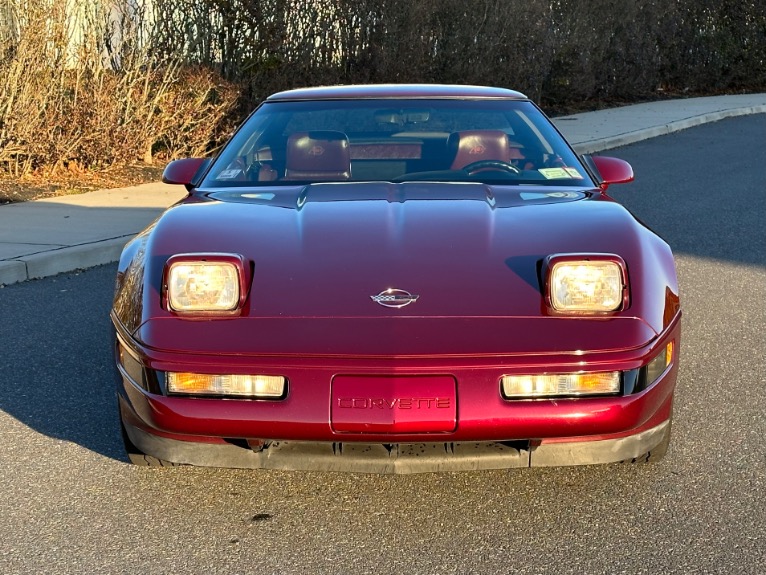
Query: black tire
[(657, 453)]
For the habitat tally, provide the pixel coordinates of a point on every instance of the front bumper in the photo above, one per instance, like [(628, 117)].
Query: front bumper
[(398, 459), (490, 432)]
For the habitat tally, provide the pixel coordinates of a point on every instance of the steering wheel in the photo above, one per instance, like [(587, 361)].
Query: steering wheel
[(499, 165)]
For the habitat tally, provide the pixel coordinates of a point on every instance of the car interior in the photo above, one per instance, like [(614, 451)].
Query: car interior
[(391, 145)]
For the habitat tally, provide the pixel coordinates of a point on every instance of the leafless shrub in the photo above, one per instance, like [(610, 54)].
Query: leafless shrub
[(557, 51), (81, 88)]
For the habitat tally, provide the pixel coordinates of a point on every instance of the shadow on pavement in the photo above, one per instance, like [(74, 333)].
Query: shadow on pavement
[(56, 363)]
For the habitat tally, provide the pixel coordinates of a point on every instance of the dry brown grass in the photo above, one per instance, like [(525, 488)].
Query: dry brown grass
[(83, 91)]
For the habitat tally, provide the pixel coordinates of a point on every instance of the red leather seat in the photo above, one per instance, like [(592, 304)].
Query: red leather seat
[(319, 155)]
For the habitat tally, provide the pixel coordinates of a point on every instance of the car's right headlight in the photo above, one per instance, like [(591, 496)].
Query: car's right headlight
[(205, 283), (586, 283), (227, 385)]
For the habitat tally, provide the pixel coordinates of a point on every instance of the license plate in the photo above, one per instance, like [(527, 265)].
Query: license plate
[(393, 404)]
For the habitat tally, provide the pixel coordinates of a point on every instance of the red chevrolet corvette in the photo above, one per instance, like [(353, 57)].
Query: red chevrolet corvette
[(396, 279)]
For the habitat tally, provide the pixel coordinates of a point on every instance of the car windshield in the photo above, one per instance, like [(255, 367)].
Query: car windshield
[(394, 140)]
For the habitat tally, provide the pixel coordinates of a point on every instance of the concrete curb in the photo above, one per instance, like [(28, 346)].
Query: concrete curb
[(62, 260), (12, 272), (627, 138)]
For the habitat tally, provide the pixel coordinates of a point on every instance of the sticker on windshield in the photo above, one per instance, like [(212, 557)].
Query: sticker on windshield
[(229, 174), (559, 173)]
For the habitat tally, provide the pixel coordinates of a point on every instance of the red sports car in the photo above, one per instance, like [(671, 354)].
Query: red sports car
[(396, 279)]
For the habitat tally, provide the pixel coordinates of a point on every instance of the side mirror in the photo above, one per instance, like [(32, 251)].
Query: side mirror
[(184, 171), (610, 170)]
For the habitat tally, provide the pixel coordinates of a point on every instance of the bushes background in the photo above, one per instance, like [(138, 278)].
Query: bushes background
[(96, 82)]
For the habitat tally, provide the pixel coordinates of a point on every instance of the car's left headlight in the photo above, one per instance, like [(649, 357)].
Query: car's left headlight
[(586, 283), (205, 283)]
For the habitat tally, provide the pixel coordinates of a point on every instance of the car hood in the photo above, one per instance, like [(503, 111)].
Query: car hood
[(471, 253)]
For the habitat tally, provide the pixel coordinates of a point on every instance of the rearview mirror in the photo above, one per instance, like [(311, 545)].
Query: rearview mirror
[(402, 117)]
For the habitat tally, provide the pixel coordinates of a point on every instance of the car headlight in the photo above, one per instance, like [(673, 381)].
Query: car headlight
[(256, 386), (205, 282), (592, 283), (560, 385)]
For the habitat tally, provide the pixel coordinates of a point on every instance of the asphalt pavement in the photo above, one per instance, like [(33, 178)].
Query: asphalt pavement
[(52, 236)]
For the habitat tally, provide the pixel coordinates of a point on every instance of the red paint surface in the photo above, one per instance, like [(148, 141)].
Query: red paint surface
[(482, 414)]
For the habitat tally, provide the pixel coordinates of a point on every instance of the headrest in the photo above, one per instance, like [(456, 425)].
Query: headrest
[(475, 145), (318, 155)]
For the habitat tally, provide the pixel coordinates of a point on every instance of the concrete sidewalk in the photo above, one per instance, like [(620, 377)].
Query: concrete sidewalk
[(47, 237)]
